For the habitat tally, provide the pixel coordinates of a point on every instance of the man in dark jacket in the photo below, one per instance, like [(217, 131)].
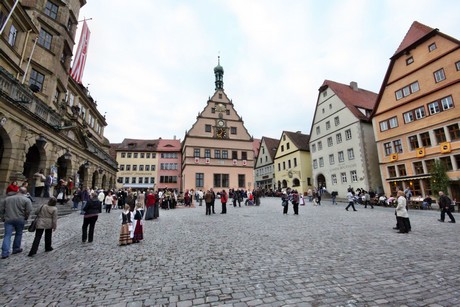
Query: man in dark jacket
[(14, 212), (444, 204), (92, 208)]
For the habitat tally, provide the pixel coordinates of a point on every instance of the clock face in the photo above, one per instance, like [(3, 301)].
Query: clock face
[(220, 123), (221, 133)]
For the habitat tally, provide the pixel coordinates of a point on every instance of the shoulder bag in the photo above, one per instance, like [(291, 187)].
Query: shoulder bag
[(33, 225)]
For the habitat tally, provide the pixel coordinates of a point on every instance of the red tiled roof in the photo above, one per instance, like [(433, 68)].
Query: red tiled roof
[(416, 32), (353, 99)]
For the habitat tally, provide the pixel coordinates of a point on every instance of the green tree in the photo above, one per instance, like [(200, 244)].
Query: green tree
[(439, 178)]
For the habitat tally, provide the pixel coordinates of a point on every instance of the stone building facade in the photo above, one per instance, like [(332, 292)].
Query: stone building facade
[(47, 120)]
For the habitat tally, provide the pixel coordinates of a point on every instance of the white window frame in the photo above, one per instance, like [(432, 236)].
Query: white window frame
[(351, 154), (354, 176)]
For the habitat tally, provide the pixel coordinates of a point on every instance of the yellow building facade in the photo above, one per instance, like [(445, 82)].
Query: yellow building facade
[(293, 167)]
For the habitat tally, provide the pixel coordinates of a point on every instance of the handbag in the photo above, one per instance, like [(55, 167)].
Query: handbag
[(33, 226)]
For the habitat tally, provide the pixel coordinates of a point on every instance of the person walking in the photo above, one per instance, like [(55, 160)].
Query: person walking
[(285, 202), (91, 210), (223, 200), (444, 204), (108, 202), (47, 216), (77, 198), (351, 200), (15, 209), (295, 202), (334, 197), (208, 201), (367, 200), (213, 201), (401, 213)]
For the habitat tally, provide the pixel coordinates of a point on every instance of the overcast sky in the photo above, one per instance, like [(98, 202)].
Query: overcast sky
[(150, 63)]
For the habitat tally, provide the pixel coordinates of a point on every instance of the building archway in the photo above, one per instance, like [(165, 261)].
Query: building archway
[(103, 183), (321, 181), (82, 174), (63, 166), (31, 164), (6, 153), (296, 182), (94, 180), (284, 184)]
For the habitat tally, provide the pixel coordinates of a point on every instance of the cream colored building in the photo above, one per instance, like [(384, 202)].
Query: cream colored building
[(47, 120), (137, 164), (293, 162), (264, 167), (416, 121), (217, 151), (342, 143)]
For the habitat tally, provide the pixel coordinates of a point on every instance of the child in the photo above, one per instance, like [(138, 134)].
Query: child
[(126, 226), (138, 228), (315, 201)]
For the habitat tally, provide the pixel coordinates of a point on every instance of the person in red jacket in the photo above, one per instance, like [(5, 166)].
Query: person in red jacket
[(13, 187), (223, 200)]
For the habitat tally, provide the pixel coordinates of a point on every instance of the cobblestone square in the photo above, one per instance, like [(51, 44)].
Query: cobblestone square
[(252, 256)]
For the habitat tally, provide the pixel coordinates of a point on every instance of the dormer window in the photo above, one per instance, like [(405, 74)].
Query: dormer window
[(131, 145)]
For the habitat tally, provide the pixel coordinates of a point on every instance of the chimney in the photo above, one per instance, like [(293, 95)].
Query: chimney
[(354, 85)]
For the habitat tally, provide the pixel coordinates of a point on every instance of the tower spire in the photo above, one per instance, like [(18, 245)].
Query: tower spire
[(219, 73)]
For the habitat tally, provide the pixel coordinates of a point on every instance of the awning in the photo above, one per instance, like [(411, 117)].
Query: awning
[(139, 185), (407, 178)]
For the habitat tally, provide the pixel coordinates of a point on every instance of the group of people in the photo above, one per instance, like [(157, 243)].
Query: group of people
[(295, 198)]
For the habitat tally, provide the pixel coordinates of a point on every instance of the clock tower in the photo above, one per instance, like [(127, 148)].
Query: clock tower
[(217, 151)]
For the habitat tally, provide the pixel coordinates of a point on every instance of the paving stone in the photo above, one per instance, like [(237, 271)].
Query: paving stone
[(253, 256)]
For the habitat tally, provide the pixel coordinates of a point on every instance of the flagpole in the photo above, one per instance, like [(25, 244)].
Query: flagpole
[(7, 18), (28, 62)]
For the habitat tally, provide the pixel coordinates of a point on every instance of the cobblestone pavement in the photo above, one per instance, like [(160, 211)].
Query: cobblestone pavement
[(252, 256)]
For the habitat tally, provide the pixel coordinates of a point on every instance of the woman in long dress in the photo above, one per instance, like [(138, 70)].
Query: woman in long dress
[(126, 218), (138, 224), (150, 204)]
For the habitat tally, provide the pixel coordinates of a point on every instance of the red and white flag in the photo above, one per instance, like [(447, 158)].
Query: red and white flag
[(76, 72)]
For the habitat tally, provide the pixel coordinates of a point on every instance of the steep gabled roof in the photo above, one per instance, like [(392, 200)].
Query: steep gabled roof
[(301, 141), (256, 146), (353, 98), (415, 33), (138, 145), (272, 145)]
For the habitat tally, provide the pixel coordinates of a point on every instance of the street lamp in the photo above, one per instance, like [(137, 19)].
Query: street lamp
[(67, 155), (41, 141)]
